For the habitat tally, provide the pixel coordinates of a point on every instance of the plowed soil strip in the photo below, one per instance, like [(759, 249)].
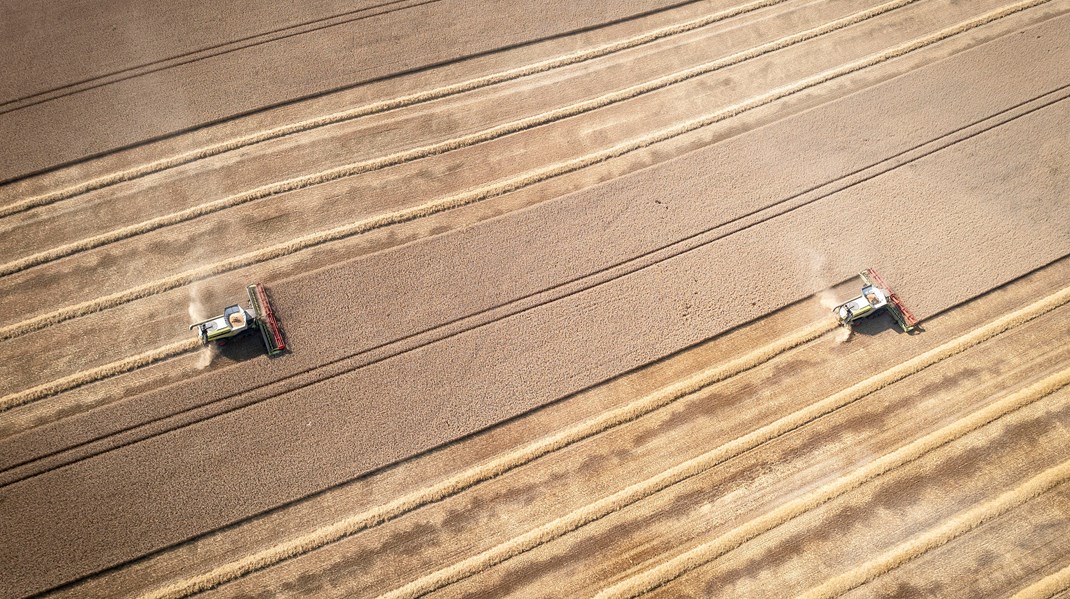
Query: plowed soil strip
[(707, 552), (490, 470), (436, 149), (384, 106), (463, 199), (943, 534)]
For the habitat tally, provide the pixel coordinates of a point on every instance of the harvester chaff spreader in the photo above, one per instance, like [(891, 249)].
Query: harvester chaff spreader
[(876, 294), (236, 320)]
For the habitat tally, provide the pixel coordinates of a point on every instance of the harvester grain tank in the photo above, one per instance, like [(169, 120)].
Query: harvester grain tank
[(237, 320), (876, 294)]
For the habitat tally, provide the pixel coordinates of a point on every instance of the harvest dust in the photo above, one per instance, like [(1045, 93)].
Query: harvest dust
[(199, 311)]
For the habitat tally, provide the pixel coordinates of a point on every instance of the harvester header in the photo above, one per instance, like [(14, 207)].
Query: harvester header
[(237, 320), (876, 294)]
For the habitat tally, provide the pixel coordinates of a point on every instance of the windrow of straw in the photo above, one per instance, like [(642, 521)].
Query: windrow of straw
[(1047, 587), (91, 375), (489, 470), (380, 107), (711, 550), (948, 531), (366, 166), (497, 189)]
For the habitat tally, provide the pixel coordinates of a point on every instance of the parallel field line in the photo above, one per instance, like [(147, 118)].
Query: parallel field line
[(1047, 587), (947, 531), (463, 199), (489, 470), (84, 377), (379, 107), (714, 457), (439, 148), (704, 553)]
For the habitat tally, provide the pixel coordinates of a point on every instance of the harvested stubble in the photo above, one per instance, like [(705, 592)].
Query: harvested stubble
[(274, 80), (692, 559), (95, 374), (922, 77), (490, 470), (706, 552), (427, 151), (947, 532), (379, 107), (263, 448), (470, 197), (1046, 587)]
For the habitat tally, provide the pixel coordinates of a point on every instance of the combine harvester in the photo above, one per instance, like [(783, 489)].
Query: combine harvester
[(237, 320), (876, 294)]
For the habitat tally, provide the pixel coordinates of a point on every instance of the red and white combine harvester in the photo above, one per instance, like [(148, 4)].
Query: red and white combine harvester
[(236, 320), (876, 294)]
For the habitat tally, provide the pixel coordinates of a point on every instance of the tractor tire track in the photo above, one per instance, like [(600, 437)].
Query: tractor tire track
[(490, 470), (494, 190), (620, 269), (220, 49), (727, 451), (947, 532), (643, 489), (379, 107), (711, 550), (436, 149), (319, 373)]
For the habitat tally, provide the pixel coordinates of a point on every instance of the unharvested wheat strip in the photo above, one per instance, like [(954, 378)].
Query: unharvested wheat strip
[(1046, 587), (384, 106), (509, 185), (88, 376), (702, 463), (487, 471), (148, 68), (487, 135), (950, 530), (709, 551)]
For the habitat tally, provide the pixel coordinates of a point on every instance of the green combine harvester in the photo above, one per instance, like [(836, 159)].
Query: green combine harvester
[(236, 320), (876, 294)]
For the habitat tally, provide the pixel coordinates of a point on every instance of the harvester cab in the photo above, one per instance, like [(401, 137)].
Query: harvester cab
[(876, 294), (236, 320)]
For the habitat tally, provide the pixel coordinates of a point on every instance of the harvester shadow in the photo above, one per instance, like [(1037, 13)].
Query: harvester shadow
[(879, 323), (242, 348), (250, 345)]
